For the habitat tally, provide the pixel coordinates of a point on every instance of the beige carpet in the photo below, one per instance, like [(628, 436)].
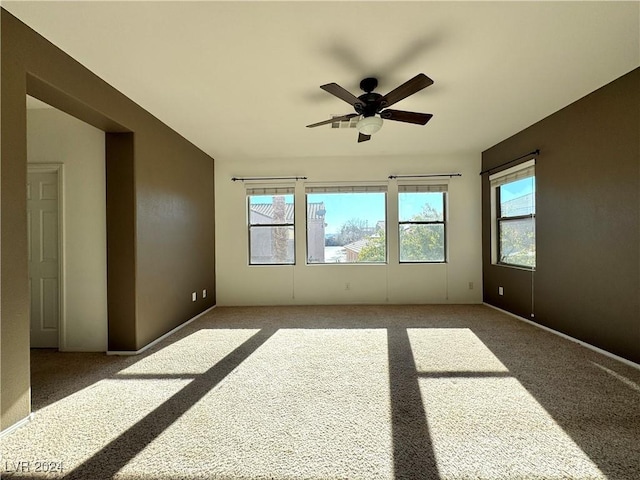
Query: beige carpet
[(361, 392)]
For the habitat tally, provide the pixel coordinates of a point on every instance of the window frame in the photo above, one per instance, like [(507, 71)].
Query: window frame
[(347, 188), (498, 180), (442, 222), (273, 191)]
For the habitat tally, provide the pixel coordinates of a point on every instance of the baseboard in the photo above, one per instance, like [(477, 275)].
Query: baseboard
[(80, 350), (159, 339), (16, 425), (568, 337)]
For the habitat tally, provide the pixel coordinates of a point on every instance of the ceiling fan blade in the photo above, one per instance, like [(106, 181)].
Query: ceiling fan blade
[(334, 119), (407, 117), (363, 138), (341, 93), (410, 87)]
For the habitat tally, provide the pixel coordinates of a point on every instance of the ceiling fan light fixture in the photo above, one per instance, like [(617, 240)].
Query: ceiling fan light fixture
[(369, 125)]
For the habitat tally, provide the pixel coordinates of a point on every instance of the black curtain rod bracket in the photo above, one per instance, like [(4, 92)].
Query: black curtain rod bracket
[(431, 175), (530, 154), (242, 179)]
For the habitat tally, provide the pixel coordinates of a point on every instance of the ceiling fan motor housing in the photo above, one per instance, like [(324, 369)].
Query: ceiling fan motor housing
[(369, 84), (371, 104)]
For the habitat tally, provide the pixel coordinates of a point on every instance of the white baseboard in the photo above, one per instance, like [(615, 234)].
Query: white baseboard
[(159, 339), (568, 337), (80, 350), (16, 425)]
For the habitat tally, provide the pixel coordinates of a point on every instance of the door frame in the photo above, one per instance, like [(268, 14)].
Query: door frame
[(58, 169)]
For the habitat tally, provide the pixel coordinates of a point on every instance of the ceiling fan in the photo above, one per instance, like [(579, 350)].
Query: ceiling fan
[(372, 107)]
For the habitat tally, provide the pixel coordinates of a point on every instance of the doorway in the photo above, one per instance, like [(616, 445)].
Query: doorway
[(58, 143), (44, 257)]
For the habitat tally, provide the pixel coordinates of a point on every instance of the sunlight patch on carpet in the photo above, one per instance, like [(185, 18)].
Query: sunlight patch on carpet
[(78, 421), (191, 355), (451, 350), (484, 424), (307, 404), (492, 428)]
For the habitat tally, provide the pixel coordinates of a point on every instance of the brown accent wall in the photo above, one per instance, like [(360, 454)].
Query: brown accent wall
[(587, 279), (160, 219), (121, 254)]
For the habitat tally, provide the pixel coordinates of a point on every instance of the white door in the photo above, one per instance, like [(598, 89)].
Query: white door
[(42, 213)]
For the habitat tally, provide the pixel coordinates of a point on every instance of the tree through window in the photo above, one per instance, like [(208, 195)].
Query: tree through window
[(422, 223)]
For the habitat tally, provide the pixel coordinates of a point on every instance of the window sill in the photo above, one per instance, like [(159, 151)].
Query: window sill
[(347, 263), (423, 263), (516, 267), (272, 265)]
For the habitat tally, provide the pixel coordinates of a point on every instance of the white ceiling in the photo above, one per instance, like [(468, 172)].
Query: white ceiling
[(241, 79)]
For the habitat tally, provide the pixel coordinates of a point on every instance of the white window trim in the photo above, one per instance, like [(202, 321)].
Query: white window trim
[(347, 187), (426, 187), (257, 188), (522, 170)]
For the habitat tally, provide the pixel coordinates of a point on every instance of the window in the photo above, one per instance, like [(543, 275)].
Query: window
[(271, 226), (514, 210), (346, 224), (422, 225)]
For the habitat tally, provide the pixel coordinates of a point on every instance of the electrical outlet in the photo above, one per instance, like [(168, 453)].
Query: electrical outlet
[(470, 285), (204, 293), (500, 291), (194, 296)]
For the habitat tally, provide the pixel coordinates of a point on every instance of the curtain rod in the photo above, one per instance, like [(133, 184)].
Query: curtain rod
[(428, 176), (535, 152), (242, 179)]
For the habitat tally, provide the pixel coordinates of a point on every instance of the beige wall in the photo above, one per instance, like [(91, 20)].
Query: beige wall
[(55, 137), (241, 284)]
